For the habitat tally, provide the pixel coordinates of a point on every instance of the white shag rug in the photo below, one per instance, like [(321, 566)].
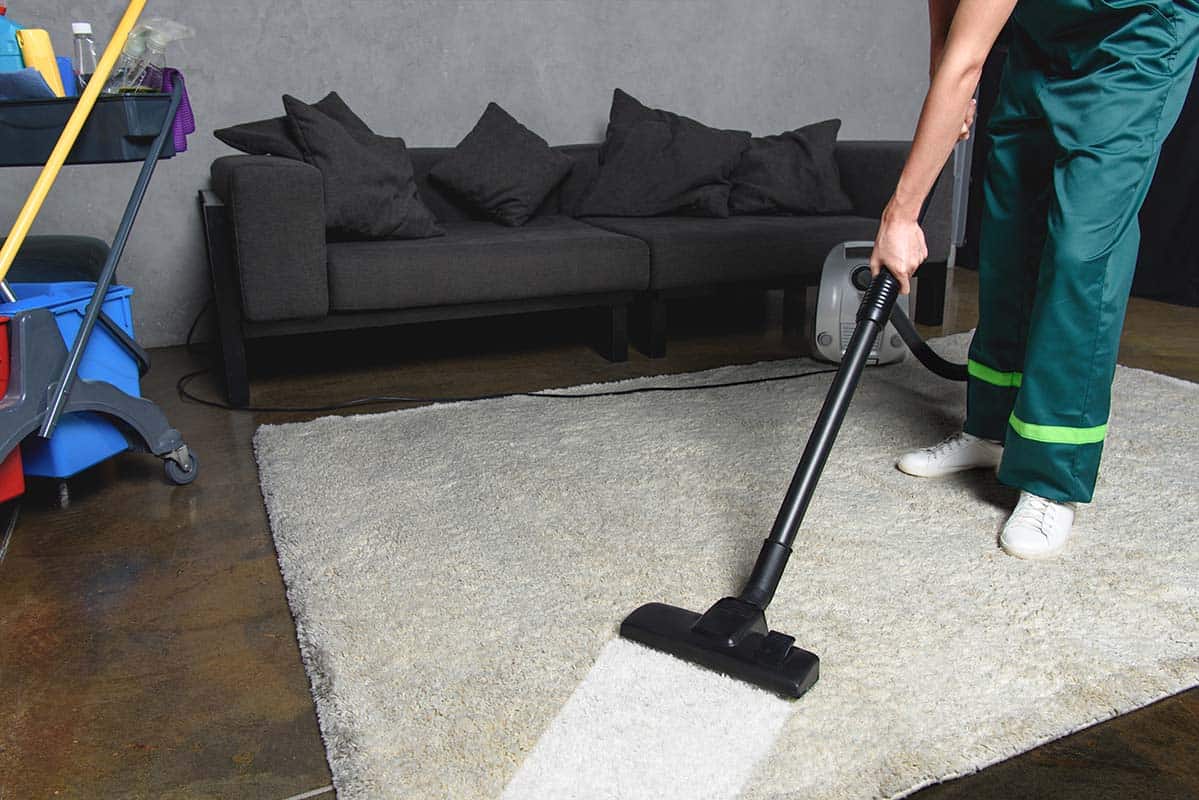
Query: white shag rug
[(458, 573)]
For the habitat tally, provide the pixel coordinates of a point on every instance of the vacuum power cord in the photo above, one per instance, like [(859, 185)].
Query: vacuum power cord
[(907, 331), (181, 387)]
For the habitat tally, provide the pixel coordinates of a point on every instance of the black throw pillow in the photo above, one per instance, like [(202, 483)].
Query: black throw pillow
[(368, 179), (273, 137), (658, 162), (791, 173), (502, 168)]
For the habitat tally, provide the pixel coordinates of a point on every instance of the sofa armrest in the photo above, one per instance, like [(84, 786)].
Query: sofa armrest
[(869, 172), (276, 208)]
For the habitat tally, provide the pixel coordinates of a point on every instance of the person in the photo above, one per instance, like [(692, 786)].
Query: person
[(1089, 91)]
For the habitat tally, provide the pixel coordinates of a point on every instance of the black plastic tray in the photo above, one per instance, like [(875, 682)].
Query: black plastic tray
[(120, 128)]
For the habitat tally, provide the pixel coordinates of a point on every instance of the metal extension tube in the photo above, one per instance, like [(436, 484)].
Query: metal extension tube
[(873, 314)]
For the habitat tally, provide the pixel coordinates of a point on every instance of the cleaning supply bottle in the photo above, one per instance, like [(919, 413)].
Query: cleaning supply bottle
[(139, 69), (153, 62), (37, 51), (128, 64), (140, 66), (10, 51), (85, 53)]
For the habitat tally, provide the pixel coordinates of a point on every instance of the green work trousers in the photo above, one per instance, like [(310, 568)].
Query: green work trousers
[(1090, 90)]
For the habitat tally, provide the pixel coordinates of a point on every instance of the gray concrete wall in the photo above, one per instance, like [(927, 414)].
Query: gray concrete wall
[(425, 69)]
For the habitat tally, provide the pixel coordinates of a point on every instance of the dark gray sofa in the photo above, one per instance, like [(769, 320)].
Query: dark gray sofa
[(275, 274)]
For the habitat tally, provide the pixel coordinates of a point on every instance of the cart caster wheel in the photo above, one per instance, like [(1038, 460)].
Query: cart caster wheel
[(180, 476)]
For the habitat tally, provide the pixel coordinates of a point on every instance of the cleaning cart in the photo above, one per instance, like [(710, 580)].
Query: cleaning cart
[(79, 405)]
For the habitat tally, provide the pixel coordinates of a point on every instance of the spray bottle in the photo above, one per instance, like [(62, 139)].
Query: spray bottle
[(140, 66), (10, 51)]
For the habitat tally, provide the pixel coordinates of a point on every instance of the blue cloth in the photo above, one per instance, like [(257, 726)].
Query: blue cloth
[(70, 83), (24, 84)]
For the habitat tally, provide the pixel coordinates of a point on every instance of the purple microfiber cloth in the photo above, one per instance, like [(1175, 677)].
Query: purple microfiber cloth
[(185, 120)]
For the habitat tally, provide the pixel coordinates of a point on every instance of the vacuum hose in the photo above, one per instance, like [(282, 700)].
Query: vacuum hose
[(935, 363), (862, 280)]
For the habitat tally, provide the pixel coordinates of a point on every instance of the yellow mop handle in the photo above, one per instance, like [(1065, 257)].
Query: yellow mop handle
[(58, 156)]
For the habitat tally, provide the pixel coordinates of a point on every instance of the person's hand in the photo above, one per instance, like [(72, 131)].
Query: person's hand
[(971, 107), (899, 245)]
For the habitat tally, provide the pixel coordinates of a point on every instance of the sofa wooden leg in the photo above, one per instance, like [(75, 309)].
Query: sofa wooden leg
[(227, 297), (237, 378), (930, 293), (616, 345), (655, 335), (795, 310)]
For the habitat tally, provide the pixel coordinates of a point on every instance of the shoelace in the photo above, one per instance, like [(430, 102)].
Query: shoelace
[(1032, 510), (951, 443)]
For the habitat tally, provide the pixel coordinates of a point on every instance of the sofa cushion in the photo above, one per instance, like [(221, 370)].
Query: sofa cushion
[(273, 137), (791, 173), (502, 168), (627, 111), (448, 207), (479, 262), (696, 252), (369, 191), (657, 162)]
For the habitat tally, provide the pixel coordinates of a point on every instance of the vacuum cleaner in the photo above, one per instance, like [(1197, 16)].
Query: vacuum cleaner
[(732, 636)]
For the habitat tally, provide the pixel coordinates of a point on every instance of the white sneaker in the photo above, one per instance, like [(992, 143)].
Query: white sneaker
[(961, 451), (1038, 528)]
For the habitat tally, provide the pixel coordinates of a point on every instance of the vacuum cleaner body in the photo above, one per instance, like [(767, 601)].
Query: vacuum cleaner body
[(843, 280)]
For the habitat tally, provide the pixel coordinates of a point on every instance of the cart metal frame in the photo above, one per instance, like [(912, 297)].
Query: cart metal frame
[(44, 380)]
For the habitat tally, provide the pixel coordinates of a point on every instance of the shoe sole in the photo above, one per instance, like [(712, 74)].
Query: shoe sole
[(1035, 555), (1032, 556), (941, 473)]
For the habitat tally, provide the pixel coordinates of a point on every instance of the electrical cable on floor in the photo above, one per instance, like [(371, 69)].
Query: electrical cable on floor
[(191, 349), (313, 793), (8, 530), (181, 388)]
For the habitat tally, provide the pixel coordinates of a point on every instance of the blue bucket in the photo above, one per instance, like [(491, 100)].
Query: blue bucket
[(82, 439)]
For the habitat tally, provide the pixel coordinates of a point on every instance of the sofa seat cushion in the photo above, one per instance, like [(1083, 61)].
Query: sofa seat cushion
[(482, 262), (687, 252)]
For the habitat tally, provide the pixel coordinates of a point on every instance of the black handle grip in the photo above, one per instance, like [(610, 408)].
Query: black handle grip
[(879, 298)]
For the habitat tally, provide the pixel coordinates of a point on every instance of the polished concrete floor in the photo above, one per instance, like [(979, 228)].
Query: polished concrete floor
[(146, 648)]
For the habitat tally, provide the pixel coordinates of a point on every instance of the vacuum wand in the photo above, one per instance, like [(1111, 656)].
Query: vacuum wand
[(732, 636), (872, 317)]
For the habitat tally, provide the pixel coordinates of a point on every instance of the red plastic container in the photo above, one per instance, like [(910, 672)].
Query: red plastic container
[(12, 478)]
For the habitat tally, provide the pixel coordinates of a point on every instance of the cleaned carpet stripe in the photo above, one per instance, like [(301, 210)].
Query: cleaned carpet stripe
[(645, 724)]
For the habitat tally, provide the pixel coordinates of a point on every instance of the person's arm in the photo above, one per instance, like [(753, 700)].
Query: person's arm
[(975, 27), (940, 15)]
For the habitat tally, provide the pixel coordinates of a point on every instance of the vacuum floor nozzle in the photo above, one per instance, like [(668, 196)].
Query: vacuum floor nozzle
[(731, 637)]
